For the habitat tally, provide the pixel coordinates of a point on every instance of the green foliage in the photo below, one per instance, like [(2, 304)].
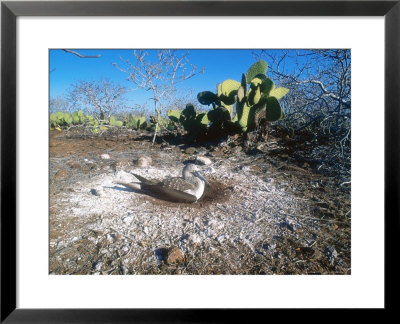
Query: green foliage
[(135, 122), (207, 97), (115, 122), (194, 123), (258, 68), (174, 115), (254, 97)]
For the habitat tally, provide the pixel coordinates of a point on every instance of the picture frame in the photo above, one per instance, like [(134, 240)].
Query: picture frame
[(10, 10)]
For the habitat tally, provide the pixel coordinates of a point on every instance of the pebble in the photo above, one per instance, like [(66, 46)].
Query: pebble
[(61, 174), (111, 238), (209, 170), (203, 160), (144, 161), (195, 238), (174, 255), (97, 192), (127, 219), (97, 265), (190, 150), (221, 238), (105, 156), (331, 253), (74, 165)]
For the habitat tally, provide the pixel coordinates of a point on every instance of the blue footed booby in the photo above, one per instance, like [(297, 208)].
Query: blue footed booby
[(187, 189)]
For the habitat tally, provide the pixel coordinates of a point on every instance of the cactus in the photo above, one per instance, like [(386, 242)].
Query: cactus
[(254, 96), (258, 68), (114, 122), (207, 98), (195, 124), (174, 115)]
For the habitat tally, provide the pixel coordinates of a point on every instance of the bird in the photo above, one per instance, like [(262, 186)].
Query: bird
[(188, 189)]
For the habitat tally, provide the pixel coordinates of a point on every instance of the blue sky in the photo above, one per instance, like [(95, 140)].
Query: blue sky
[(67, 69)]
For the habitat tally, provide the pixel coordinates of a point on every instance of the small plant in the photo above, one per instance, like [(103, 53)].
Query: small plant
[(115, 122), (135, 122)]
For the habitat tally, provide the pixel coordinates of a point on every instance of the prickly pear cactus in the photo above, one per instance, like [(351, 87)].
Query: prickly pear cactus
[(254, 96)]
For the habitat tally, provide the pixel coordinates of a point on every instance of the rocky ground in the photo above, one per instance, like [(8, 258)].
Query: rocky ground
[(273, 207)]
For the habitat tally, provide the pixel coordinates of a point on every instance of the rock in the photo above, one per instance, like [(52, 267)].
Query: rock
[(331, 253), (144, 161), (203, 160), (97, 192), (61, 174), (190, 150), (105, 156), (220, 239), (174, 255), (121, 164), (74, 165), (97, 265), (196, 239)]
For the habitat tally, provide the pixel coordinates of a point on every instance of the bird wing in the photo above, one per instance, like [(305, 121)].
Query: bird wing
[(143, 180), (168, 193), (179, 184)]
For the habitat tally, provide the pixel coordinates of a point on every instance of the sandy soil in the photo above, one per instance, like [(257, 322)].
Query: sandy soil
[(272, 208)]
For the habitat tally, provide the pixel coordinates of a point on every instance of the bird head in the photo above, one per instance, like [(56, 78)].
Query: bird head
[(194, 171)]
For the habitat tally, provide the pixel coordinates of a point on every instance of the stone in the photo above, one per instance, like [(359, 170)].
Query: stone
[(190, 150), (144, 161), (203, 160), (174, 255), (61, 174), (74, 165), (105, 156)]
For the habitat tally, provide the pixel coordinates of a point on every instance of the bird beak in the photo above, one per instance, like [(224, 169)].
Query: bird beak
[(198, 174)]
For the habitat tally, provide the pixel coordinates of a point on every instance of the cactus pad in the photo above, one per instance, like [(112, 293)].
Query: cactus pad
[(259, 67)]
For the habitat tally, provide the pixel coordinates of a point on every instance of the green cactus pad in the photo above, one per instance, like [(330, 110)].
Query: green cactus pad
[(250, 97), (67, 118), (229, 86), (174, 115), (257, 95), (207, 97), (259, 67), (202, 119), (278, 93), (243, 119), (255, 83), (227, 91), (241, 94), (114, 122), (260, 76), (243, 82), (274, 110), (218, 114), (189, 112), (266, 86)]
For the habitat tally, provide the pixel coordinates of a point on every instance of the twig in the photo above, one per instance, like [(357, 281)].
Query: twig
[(80, 55), (314, 218)]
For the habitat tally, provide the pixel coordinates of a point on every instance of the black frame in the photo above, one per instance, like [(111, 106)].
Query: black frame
[(10, 10)]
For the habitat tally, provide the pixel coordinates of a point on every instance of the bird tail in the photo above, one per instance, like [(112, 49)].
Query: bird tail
[(143, 180), (133, 185)]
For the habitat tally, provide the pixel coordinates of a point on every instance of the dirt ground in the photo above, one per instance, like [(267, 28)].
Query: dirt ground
[(273, 207)]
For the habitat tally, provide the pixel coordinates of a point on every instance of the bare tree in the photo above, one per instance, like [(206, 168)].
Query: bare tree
[(59, 104), (318, 106), (320, 89), (160, 76), (102, 98)]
